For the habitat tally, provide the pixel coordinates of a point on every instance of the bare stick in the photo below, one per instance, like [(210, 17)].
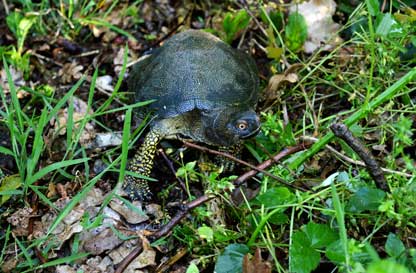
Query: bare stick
[(342, 131), (266, 164), (257, 169), (128, 259), (353, 161), (6, 7)]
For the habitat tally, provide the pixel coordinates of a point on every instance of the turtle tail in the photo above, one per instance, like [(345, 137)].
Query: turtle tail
[(142, 163)]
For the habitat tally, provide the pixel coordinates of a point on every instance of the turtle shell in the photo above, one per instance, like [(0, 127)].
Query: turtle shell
[(195, 70)]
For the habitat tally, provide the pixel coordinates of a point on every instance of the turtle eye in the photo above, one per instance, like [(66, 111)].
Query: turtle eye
[(242, 125)]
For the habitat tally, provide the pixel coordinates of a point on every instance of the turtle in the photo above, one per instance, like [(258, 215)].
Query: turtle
[(203, 89)]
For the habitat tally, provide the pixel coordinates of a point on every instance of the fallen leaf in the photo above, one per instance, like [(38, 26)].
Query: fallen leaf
[(17, 79), (70, 72), (256, 264), (322, 30), (104, 140), (118, 254), (20, 221), (10, 264), (98, 243), (131, 216), (274, 88), (65, 269), (104, 82)]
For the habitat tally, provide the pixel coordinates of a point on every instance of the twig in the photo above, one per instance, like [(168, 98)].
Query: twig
[(244, 5), (164, 230), (205, 149), (342, 131), (310, 105), (166, 265), (109, 94), (266, 164), (89, 53), (387, 95), (172, 30), (46, 58), (180, 215), (353, 161), (129, 258), (172, 168), (262, 48), (6, 7)]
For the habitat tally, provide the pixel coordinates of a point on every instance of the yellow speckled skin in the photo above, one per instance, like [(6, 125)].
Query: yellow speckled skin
[(142, 162)]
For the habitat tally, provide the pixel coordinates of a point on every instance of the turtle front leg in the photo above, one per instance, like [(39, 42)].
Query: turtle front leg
[(142, 163)]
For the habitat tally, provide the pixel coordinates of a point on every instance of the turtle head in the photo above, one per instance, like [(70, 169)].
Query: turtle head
[(228, 126)]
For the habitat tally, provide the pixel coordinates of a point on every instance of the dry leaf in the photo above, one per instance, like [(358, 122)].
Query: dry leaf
[(104, 140), (97, 241), (131, 216), (18, 81), (20, 221), (274, 88), (121, 252), (322, 31), (8, 265), (256, 264), (104, 82), (156, 211), (70, 71)]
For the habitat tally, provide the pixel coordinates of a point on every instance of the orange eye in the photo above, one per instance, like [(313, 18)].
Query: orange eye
[(242, 125)]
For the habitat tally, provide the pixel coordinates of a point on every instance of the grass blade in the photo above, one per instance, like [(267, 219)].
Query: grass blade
[(58, 165)]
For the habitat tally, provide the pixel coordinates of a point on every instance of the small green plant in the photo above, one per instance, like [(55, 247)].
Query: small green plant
[(296, 32), (233, 24), (19, 25)]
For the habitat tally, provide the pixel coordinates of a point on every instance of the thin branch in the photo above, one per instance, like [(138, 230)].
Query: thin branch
[(128, 259), (342, 131), (353, 161), (6, 7), (205, 149), (172, 168), (266, 164)]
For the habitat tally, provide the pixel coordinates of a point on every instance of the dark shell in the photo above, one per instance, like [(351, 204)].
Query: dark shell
[(195, 70)]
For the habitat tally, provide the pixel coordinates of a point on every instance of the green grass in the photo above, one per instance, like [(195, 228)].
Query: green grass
[(28, 130)]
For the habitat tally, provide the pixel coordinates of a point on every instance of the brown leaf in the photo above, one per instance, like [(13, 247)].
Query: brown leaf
[(18, 81), (132, 217), (9, 265), (322, 30), (70, 72), (105, 240), (20, 220), (274, 88), (256, 265)]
